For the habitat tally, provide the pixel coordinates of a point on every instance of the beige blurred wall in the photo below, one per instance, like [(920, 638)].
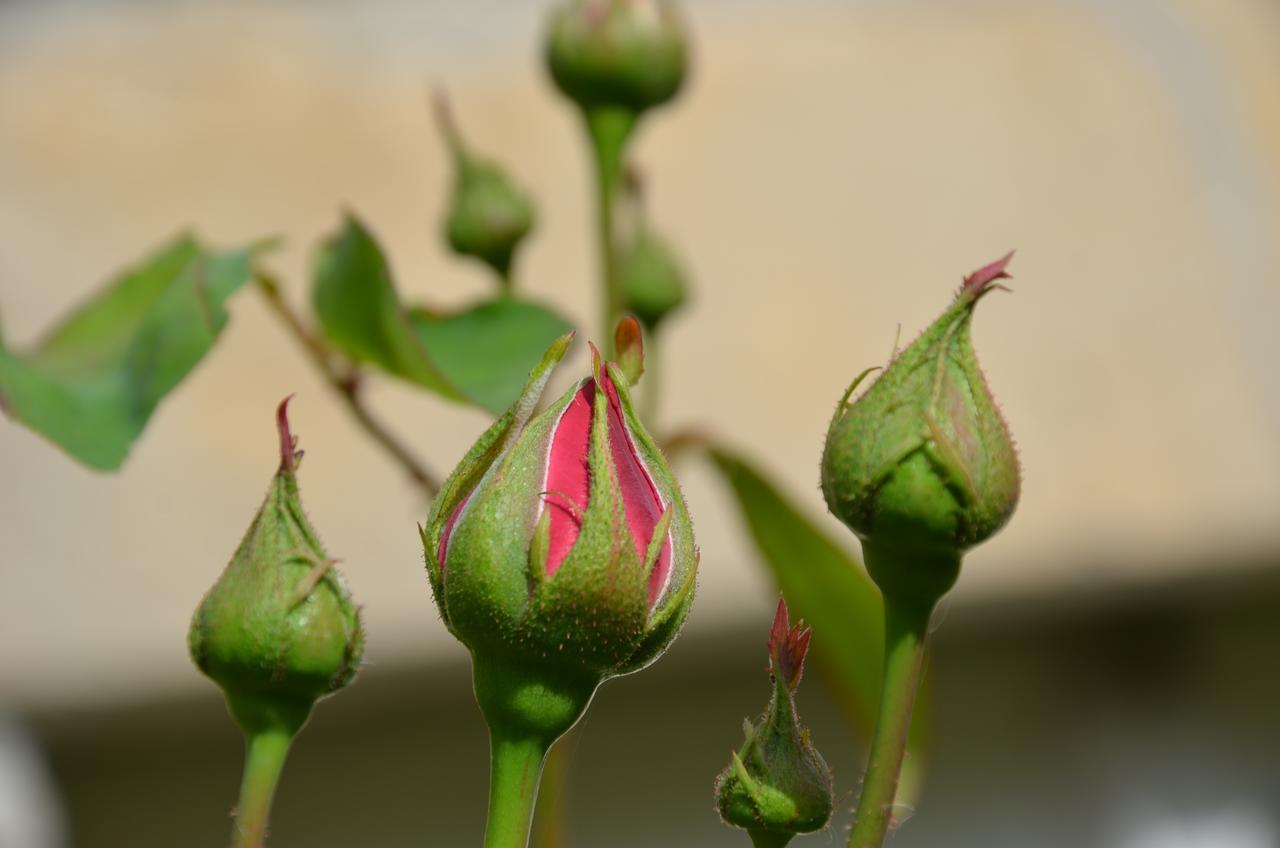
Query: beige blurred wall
[(832, 171)]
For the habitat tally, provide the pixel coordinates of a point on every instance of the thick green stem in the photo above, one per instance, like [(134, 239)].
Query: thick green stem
[(551, 811), (769, 839), (516, 765), (265, 752), (609, 129), (905, 626)]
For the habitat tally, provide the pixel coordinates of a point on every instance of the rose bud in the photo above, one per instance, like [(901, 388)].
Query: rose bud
[(278, 631), (560, 552), (778, 785), (653, 282), (921, 466), (624, 54), (488, 215)]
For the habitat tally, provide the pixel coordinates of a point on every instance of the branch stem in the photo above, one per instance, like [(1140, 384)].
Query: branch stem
[(906, 626), (345, 381)]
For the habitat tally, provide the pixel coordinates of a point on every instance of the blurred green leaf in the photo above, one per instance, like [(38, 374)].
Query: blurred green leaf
[(824, 584), (481, 355), (360, 312), (488, 349), (95, 380)]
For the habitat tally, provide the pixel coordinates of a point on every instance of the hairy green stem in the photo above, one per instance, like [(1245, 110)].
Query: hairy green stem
[(516, 766), (905, 629), (609, 130), (265, 752), (550, 813), (346, 382)]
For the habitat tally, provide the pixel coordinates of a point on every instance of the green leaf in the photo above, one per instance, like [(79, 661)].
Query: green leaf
[(356, 301), (488, 349), (95, 380), (823, 584), (481, 355)]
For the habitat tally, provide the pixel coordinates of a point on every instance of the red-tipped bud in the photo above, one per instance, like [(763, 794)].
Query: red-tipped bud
[(562, 545), (778, 784), (922, 466)]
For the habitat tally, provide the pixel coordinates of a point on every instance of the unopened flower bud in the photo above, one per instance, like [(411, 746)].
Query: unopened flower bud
[(653, 281), (488, 215), (560, 551), (778, 784), (278, 631), (922, 466), (625, 54)]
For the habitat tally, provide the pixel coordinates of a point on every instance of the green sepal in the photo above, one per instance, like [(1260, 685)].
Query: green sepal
[(483, 456)]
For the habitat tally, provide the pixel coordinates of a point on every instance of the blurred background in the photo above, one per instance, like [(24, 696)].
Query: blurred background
[(1105, 671)]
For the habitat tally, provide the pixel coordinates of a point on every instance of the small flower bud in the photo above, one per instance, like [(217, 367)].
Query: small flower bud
[(778, 783), (560, 550), (488, 215), (653, 282), (922, 466), (626, 54), (278, 631)]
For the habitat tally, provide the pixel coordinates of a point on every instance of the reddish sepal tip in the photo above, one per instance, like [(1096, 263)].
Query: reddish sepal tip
[(788, 646), (288, 441), (983, 280)]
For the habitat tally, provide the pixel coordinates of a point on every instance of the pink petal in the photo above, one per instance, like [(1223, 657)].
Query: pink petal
[(568, 481)]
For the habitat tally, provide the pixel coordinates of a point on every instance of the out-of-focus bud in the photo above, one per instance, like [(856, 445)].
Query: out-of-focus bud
[(624, 54), (778, 785), (488, 215), (560, 551), (922, 466), (628, 342), (653, 282), (279, 630)]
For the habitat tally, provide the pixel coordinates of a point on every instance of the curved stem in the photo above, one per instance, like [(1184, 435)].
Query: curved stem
[(551, 810), (347, 384), (516, 765), (609, 129), (905, 628), (265, 752)]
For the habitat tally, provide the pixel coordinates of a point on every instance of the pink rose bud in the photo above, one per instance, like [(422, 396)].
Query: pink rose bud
[(560, 551)]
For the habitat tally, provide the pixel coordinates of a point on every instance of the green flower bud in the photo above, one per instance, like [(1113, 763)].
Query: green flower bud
[(278, 631), (778, 785), (922, 466), (488, 215), (560, 551), (625, 54), (653, 283)]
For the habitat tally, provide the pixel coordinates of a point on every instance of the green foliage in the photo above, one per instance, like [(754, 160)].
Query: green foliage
[(823, 584), (488, 349), (480, 355), (91, 385)]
